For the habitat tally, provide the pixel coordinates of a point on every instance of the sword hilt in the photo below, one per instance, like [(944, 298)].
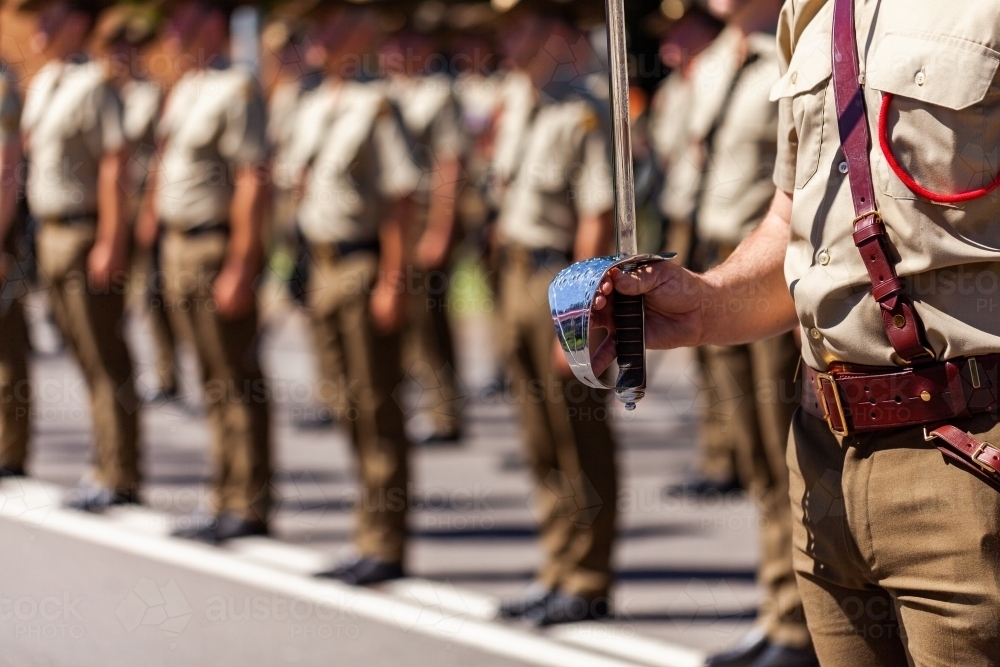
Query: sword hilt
[(630, 346)]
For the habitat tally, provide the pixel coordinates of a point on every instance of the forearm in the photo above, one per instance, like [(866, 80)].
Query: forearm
[(746, 297), (10, 158), (112, 229), (593, 236), (391, 234), (441, 214), (246, 219)]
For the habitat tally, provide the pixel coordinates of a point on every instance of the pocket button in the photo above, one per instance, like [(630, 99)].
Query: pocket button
[(921, 78)]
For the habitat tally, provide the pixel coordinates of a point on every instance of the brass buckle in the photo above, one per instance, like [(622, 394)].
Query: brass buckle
[(986, 467), (875, 214), (827, 415)]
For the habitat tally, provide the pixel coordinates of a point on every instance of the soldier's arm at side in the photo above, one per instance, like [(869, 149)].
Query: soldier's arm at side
[(388, 301), (432, 250), (593, 235), (742, 300), (234, 286), (109, 257), (10, 158)]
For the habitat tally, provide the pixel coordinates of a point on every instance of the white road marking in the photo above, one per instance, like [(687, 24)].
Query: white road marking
[(430, 608)]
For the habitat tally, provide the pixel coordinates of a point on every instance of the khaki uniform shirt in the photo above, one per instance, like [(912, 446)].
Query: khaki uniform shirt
[(72, 118), (940, 62), (213, 124), (141, 100), (565, 174), (282, 117), (517, 101), (733, 98), (359, 161), (670, 113)]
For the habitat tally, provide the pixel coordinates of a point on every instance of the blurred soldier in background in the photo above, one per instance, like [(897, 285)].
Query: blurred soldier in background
[(208, 193), (734, 126), (355, 211), (682, 161), (73, 133), (558, 208), (15, 390), (420, 86), (125, 31)]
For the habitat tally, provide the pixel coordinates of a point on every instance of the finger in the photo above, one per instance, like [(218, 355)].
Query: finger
[(645, 278)]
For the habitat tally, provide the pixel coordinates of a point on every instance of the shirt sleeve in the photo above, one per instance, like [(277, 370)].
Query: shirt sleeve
[(110, 119), (447, 131), (398, 176), (592, 185), (244, 135), (788, 140)]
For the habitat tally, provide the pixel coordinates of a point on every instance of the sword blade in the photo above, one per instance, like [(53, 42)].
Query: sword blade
[(621, 139)]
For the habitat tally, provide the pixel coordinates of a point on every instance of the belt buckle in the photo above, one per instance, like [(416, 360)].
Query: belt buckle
[(985, 466), (827, 415)]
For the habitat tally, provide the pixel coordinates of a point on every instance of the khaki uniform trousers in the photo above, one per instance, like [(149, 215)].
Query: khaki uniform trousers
[(364, 397), (91, 321), (164, 341), (565, 427), (897, 553), (716, 449), (15, 388), (236, 392), (429, 351), (756, 389)]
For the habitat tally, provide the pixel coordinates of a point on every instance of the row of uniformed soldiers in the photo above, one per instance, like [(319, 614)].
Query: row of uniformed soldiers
[(370, 173)]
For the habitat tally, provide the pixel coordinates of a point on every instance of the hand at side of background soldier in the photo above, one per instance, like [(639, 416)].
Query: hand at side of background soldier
[(234, 292), (387, 306), (106, 263), (432, 250)]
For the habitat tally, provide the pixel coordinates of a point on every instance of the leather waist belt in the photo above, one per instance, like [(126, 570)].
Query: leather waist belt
[(206, 228), (74, 219), (331, 251), (537, 257), (860, 398)]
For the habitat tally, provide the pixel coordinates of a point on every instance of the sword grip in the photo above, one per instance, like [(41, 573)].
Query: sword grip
[(630, 342)]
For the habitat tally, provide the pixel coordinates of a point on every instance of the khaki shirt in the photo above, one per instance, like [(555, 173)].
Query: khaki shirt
[(517, 101), (282, 117), (141, 100), (670, 112), (940, 61), (565, 174), (732, 97), (72, 118), (359, 161), (10, 107), (430, 112), (213, 124)]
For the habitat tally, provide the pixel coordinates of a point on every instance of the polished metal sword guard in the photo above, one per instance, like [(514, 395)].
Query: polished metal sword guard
[(571, 299)]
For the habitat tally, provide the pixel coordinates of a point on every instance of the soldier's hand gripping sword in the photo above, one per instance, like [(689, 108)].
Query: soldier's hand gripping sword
[(572, 292)]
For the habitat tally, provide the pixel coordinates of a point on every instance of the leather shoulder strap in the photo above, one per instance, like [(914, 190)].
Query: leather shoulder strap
[(899, 319)]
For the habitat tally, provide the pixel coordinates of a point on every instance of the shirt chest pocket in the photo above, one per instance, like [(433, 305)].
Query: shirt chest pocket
[(802, 92), (938, 114)]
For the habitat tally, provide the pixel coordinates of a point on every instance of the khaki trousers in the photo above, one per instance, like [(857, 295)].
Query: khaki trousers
[(755, 385), (91, 322), (162, 333), (565, 427), (236, 392), (897, 554), (15, 388), (716, 446), (429, 352), (364, 397)]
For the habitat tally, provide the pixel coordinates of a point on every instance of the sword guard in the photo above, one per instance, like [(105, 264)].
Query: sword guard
[(571, 299)]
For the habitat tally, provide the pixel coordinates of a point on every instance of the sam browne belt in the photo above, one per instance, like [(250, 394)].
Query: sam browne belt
[(928, 392)]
